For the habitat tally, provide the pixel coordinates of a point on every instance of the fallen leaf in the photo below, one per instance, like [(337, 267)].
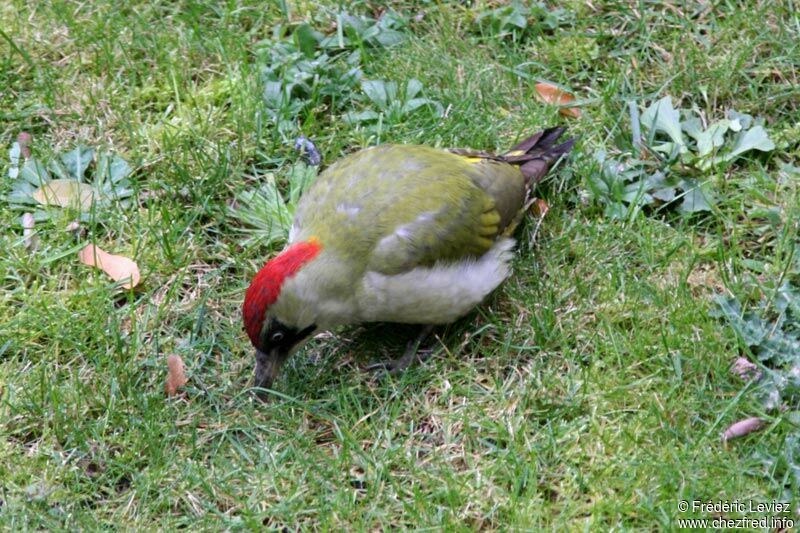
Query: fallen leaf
[(28, 223), (24, 139), (553, 95), (176, 377), (65, 193), (540, 207), (116, 266), (745, 369), (742, 428)]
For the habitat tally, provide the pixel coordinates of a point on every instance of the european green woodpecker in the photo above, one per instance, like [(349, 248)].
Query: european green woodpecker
[(394, 233)]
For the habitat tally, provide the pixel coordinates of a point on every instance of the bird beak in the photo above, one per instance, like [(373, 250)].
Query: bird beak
[(267, 367)]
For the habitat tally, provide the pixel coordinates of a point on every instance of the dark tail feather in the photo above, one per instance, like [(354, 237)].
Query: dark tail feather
[(536, 154)]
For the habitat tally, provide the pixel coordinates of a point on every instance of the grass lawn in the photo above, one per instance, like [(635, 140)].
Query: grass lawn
[(589, 392)]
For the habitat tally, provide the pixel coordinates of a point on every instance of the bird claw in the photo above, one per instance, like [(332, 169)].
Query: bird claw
[(381, 367), (396, 366)]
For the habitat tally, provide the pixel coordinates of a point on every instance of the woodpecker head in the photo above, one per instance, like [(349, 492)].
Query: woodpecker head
[(275, 329)]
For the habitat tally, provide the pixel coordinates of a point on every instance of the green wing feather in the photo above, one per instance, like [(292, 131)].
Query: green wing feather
[(407, 206), (404, 206)]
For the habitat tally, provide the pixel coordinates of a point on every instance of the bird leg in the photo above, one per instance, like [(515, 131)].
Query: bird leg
[(395, 366)]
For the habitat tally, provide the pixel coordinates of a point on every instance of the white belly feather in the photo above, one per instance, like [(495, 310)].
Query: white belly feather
[(433, 295)]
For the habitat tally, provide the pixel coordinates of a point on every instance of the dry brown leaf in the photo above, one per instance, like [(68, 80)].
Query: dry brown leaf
[(553, 95), (116, 266), (28, 223), (742, 428), (24, 139), (745, 369), (65, 193), (540, 207), (176, 377)]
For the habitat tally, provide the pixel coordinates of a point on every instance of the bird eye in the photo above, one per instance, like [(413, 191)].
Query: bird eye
[(276, 337)]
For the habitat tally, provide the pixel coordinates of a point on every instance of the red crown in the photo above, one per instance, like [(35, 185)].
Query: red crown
[(266, 286)]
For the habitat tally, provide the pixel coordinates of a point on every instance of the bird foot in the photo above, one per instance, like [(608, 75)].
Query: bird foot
[(395, 366)]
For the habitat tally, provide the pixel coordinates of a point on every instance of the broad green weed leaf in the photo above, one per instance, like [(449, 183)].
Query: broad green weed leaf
[(666, 194), (779, 347), (635, 193), (119, 169), (615, 210), (389, 38), (696, 197), (22, 197), (273, 94), (307, 40), (375, 91), (309, 72), (749, 326), (792, 453), (110, 177), (712, 138), (670, 149), (743, 119), (692, 127), (788, 298), (661, 116), (661, 187), (361, 116), (413, 88), (58, 169), (34, 172), (776, 343), (392, 93), (392, 100), (753, 139), (39, 186), (77, 161), (416, 103)]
